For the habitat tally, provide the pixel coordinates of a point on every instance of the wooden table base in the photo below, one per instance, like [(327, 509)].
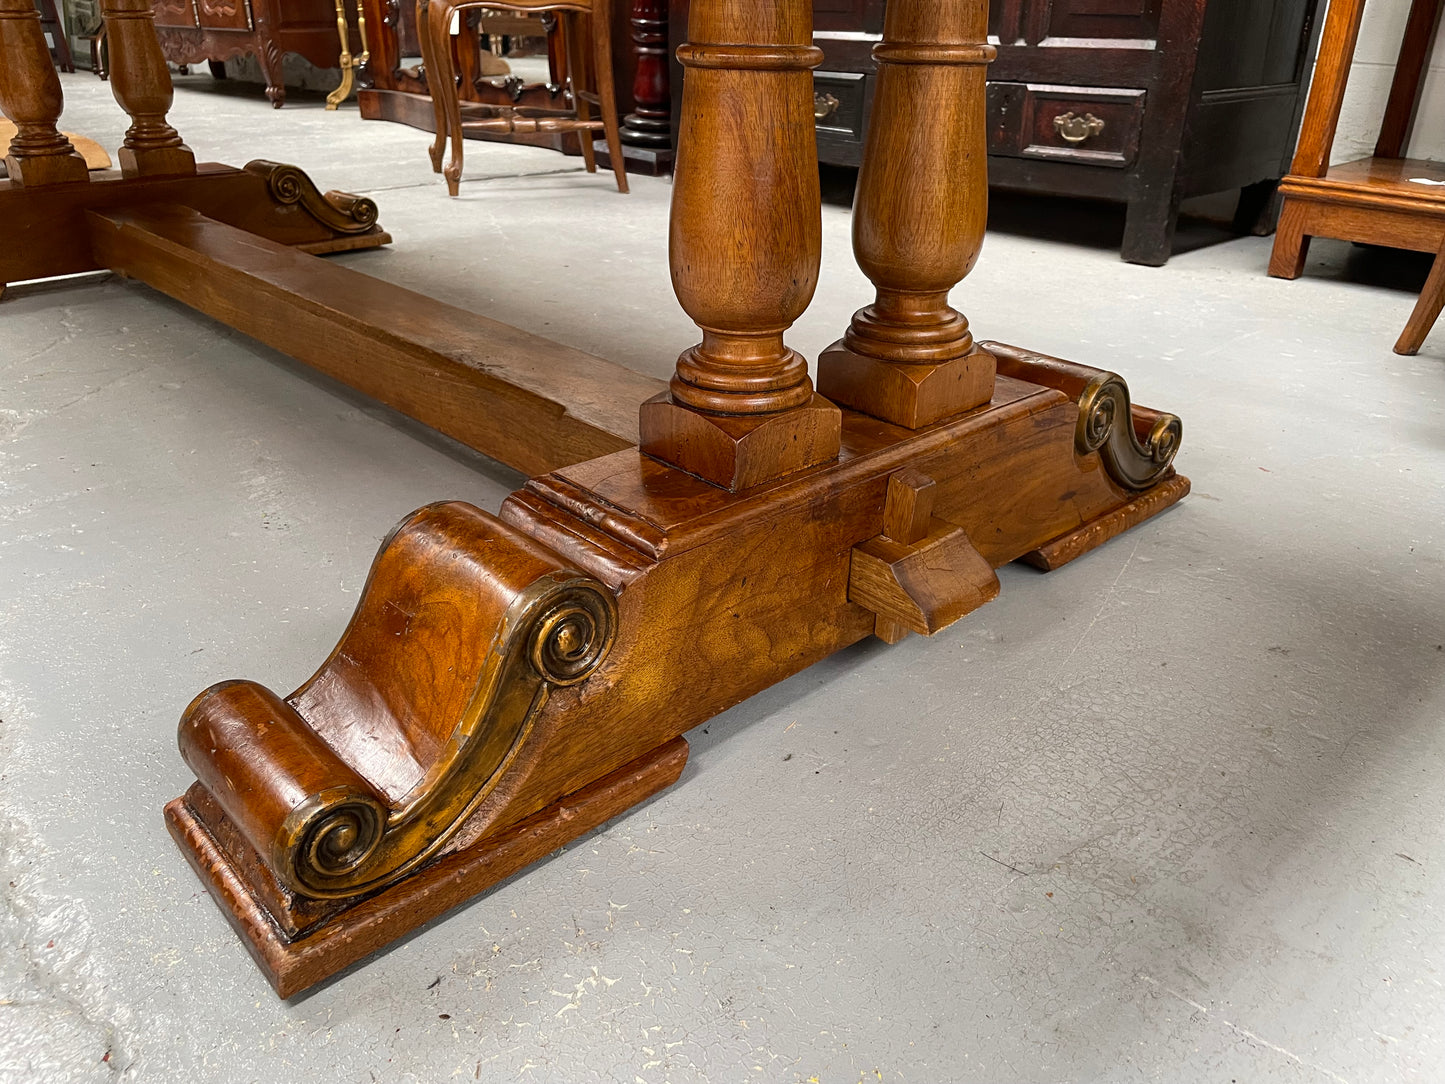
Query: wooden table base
[(511, 681), (295, 964)]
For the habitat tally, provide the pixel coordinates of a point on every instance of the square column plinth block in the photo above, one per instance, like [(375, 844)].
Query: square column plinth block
[(905, 394), (738, 451)]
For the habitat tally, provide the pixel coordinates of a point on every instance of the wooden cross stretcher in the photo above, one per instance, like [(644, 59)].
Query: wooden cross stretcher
[(511, 681)]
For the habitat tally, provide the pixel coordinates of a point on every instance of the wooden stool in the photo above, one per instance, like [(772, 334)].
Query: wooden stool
[(1427, 309), (1376, 200), (434, 18)]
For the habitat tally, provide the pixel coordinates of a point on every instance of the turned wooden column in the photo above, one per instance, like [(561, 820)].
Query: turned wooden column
[(142, 85), (650, 124), (919, 219), (30, 97), (746, 242)]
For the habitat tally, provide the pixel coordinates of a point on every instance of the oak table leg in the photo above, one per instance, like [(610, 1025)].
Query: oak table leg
[(30, 97), (918, 221), (746, 243), (142, 86)]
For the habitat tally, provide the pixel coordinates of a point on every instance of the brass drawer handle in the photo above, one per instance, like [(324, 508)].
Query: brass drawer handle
[(1076, 129), (824, 106)]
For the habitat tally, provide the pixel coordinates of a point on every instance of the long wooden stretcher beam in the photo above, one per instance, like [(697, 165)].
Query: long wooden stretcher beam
[(531, 403)]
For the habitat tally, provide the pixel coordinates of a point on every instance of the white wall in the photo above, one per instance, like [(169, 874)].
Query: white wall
[(1381, 33)]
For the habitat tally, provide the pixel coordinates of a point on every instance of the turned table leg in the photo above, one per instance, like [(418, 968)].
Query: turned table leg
[(31, 98), (746, 243), (919, 220), (650, 124), (142, 87)]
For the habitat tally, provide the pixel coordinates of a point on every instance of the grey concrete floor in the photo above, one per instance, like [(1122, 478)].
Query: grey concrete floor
[(1173, 813)]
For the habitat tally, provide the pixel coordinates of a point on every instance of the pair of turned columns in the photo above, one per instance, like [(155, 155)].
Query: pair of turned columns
[(746, 238), (30, 97)]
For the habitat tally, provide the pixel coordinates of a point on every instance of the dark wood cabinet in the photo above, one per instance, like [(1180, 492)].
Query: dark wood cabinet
[(191, 31), (1146, 102)]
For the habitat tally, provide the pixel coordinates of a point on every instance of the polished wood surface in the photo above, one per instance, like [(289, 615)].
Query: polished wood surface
[(741, 409), (1195, 96), (918, 221), (1427, 309), (509, 681), (527, 401), (1376, 200), (30, 97), (293, 966), (142, 85)]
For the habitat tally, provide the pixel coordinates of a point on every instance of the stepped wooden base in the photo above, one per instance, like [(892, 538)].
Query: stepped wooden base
[(719, 595), (740, 451), (909, 395), (294, 964), (1076, 543)]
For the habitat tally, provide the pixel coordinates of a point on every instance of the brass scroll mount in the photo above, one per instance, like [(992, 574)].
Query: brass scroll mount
[(825, 106), (354, 780), (1137, 446), (1076, 129)]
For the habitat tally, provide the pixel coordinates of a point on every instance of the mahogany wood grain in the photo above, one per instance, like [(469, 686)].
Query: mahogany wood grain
[(918, 221), (650, 123), (141, 83), (30, 97), (524, 400)]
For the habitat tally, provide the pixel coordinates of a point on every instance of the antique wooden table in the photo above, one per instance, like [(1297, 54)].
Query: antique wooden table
[(510, 681)]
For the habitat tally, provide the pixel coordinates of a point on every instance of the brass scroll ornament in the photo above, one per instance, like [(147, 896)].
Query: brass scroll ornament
[(351, 782), (1076, 129), (344, 843), (824, 106), (1106, 426)]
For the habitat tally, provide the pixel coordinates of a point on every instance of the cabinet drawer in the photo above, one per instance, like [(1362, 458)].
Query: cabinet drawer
[(174, 13), (224, 14), (838, 103), (1096, 126)]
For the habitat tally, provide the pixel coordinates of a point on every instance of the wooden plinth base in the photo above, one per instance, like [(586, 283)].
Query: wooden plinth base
[(353, 934), (1092, 535), (640, 161)]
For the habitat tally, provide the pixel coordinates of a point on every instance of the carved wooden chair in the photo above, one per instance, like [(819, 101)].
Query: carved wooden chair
[(580, 19)]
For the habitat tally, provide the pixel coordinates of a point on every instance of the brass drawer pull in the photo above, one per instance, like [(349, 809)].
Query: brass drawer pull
[(1076, 129), (824, 106)]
